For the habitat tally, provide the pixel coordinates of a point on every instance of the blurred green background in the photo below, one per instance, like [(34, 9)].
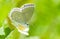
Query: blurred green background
[(45, 23)]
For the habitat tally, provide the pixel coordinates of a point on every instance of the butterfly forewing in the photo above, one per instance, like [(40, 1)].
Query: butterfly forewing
[(27, 13)]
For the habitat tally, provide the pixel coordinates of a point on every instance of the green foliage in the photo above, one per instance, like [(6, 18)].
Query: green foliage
[(5, 7), (45, 22), (13, 35)]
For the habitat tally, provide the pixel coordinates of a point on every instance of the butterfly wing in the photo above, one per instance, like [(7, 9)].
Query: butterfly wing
[(17, 16), (27, 12), (25, 15)]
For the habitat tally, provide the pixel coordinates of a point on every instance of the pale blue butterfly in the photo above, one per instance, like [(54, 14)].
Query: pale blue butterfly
[(20, 17)]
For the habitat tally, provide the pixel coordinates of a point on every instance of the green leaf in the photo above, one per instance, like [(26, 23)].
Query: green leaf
[(13, 35)]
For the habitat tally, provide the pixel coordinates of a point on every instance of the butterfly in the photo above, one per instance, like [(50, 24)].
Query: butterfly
[(20, 17)]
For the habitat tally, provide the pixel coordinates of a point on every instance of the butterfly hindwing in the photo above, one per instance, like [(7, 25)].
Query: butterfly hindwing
[(17, 16)]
